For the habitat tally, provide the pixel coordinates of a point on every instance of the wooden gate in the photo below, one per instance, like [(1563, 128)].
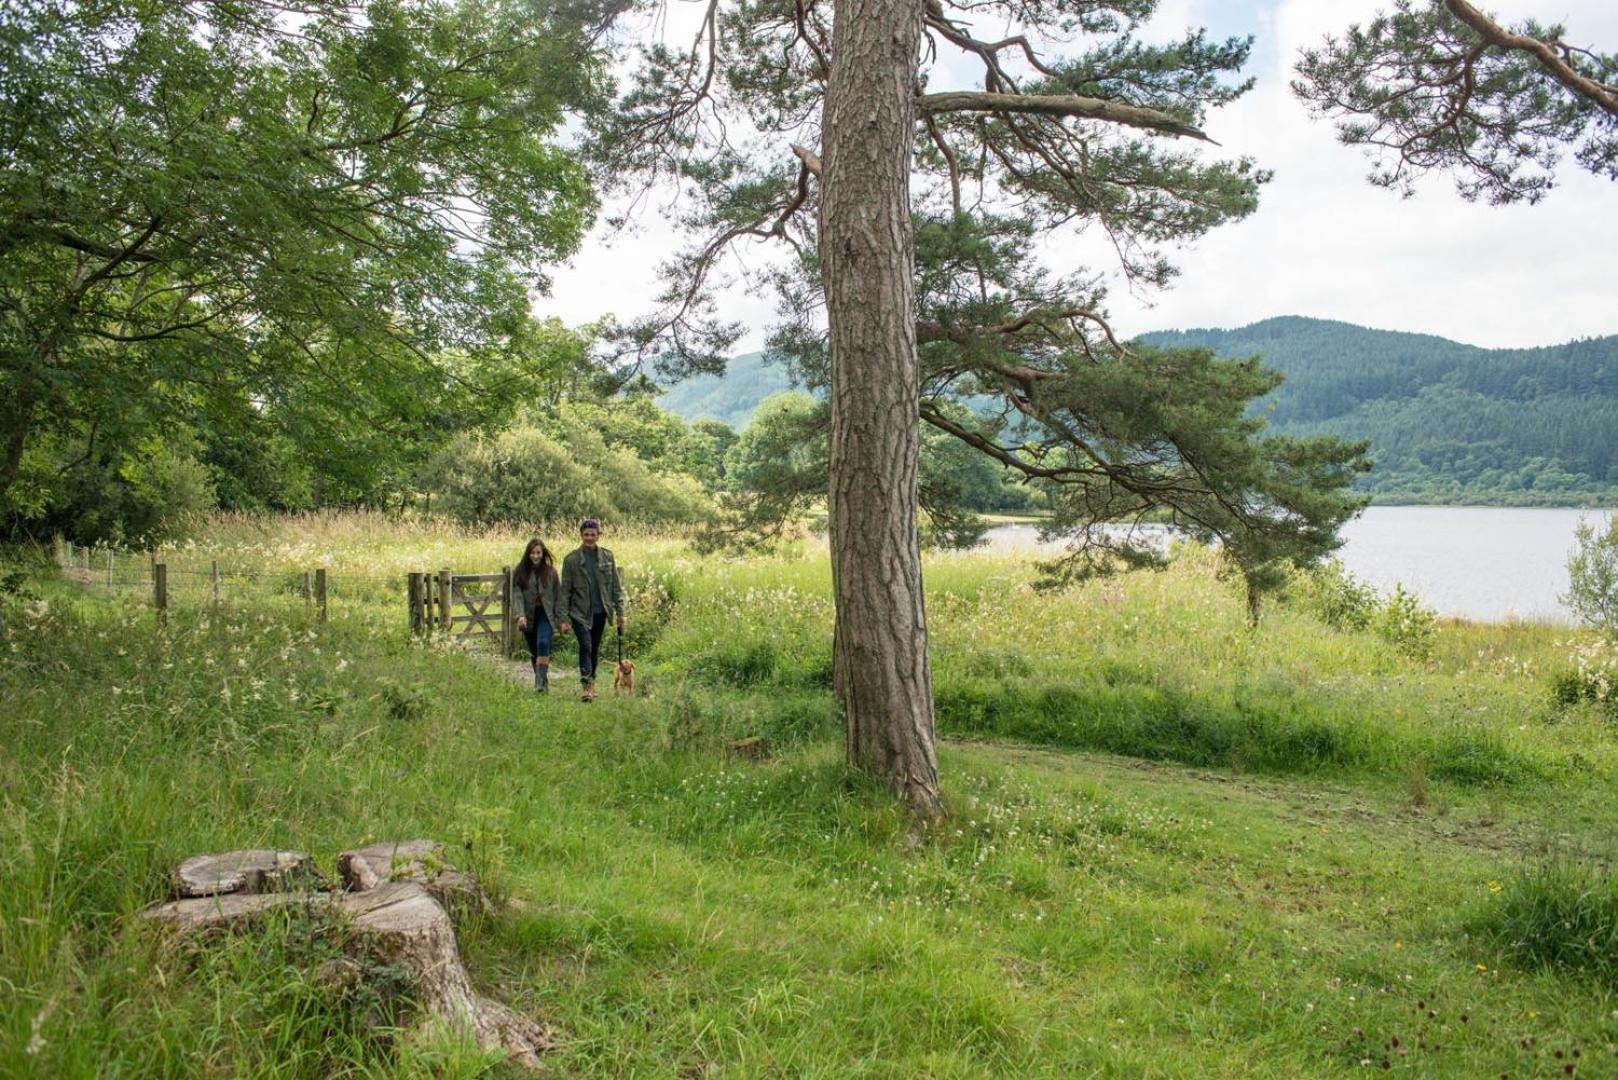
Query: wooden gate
[(477, 606)]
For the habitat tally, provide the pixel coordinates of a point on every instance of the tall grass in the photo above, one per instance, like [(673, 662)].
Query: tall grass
[(674, 911)]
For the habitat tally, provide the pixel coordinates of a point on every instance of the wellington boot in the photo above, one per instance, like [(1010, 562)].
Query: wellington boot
[(542, 678), (589, 691)]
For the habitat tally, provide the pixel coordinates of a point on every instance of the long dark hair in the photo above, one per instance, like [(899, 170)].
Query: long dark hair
[(525, 568)]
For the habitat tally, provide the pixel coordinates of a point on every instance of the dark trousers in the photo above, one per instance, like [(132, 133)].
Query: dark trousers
[(590, 643)]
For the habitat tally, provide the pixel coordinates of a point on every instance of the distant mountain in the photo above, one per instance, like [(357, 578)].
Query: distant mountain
[(748, 380), (1448, 422)]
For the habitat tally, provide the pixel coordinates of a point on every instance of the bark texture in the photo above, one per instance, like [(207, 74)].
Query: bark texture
[(395, 910), (881, 672)]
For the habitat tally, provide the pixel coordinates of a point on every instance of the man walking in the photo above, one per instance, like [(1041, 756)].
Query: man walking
[(591, 591)]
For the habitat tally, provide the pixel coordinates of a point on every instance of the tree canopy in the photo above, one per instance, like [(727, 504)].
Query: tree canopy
[(1067, 134), (278, 223)]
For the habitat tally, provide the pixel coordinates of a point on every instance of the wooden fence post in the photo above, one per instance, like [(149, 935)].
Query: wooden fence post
[(320, 593), (216, 586), (109, 568), (413, 600), (308, 592), (446, 599), (160, 591)]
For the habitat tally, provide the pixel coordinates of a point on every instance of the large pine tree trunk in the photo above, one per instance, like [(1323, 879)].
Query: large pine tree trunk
[(881, 673)]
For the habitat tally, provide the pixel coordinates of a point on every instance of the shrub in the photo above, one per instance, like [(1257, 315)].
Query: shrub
[(1404, 623), (1593, 677), (1559, 914), (1342, 601), (1337, 597), (1592, 570), (525, 477)]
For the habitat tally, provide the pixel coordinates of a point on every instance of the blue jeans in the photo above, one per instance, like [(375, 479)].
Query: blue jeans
[(538, 634), (590, 643)]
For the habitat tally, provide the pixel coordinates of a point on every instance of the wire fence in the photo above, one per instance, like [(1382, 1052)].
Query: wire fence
[(477, 606)]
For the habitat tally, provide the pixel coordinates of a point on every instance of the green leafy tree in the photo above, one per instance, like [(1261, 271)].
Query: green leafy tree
[(1592, 571), (1440, 86), (317, 220)]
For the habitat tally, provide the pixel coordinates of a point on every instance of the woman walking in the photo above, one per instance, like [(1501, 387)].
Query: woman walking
[(537, 592)]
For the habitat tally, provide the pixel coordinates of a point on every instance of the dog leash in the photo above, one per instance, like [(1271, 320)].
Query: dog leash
[(620, 644)]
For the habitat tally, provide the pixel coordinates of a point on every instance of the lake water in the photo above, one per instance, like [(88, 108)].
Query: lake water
[(1477, 562)]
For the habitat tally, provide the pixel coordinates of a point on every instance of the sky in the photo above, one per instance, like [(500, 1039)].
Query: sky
[(1323, 243)]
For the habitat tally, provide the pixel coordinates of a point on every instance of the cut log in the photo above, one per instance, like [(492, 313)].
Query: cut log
[(406, 928), (252, 871), (419, 861)]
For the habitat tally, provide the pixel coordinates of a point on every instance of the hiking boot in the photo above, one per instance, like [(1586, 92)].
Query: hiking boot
[(589, 691)]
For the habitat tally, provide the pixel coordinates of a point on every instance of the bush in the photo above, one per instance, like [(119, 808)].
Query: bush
[(525, 477), (157, 493), (1560, 915), (1404, 623), (1593, 677), (1592, 570), (1342, 601)]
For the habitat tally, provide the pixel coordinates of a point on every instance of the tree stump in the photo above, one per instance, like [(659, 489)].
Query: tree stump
[(253, 871), (419, 861), (406, 928), (198, 914), (752, 748), (397, 918)]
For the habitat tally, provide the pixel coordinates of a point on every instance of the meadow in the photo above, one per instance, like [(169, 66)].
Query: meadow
[(1176, 846)]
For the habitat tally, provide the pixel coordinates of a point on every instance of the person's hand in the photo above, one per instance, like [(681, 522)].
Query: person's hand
[(620, 624), (562, 628), (522, 622)]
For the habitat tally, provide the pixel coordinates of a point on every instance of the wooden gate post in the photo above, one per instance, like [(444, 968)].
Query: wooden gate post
[(320, 594), (446, 600), (413, 600), (160, 591), (508, 613)]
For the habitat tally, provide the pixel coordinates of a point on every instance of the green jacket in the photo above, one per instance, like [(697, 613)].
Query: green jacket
[(575, 589), (525, 597)]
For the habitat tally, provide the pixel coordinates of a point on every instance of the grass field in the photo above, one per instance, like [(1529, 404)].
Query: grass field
[(1176, 846)]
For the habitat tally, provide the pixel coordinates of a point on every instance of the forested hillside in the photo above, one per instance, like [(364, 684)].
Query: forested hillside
[(748, 380), (1448, 422)]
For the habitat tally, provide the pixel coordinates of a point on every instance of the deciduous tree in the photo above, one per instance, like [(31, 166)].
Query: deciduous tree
[(321, 216)]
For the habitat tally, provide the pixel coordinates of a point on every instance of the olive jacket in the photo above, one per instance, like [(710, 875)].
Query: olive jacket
[(575, 588), (527, 597)]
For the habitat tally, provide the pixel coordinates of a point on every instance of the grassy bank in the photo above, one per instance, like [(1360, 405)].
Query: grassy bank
[(1176, 846)]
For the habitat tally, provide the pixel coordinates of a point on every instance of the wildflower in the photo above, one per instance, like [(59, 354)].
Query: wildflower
[(1494, 886), (1483, 967)]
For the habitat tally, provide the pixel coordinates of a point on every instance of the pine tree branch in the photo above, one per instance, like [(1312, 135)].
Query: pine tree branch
[(1060, 105), (1605, 97)]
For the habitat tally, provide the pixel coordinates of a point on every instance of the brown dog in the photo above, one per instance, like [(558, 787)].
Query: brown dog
[(623, 677)]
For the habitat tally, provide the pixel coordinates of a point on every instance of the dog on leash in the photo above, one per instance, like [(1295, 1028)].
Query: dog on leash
[(623, 678)]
